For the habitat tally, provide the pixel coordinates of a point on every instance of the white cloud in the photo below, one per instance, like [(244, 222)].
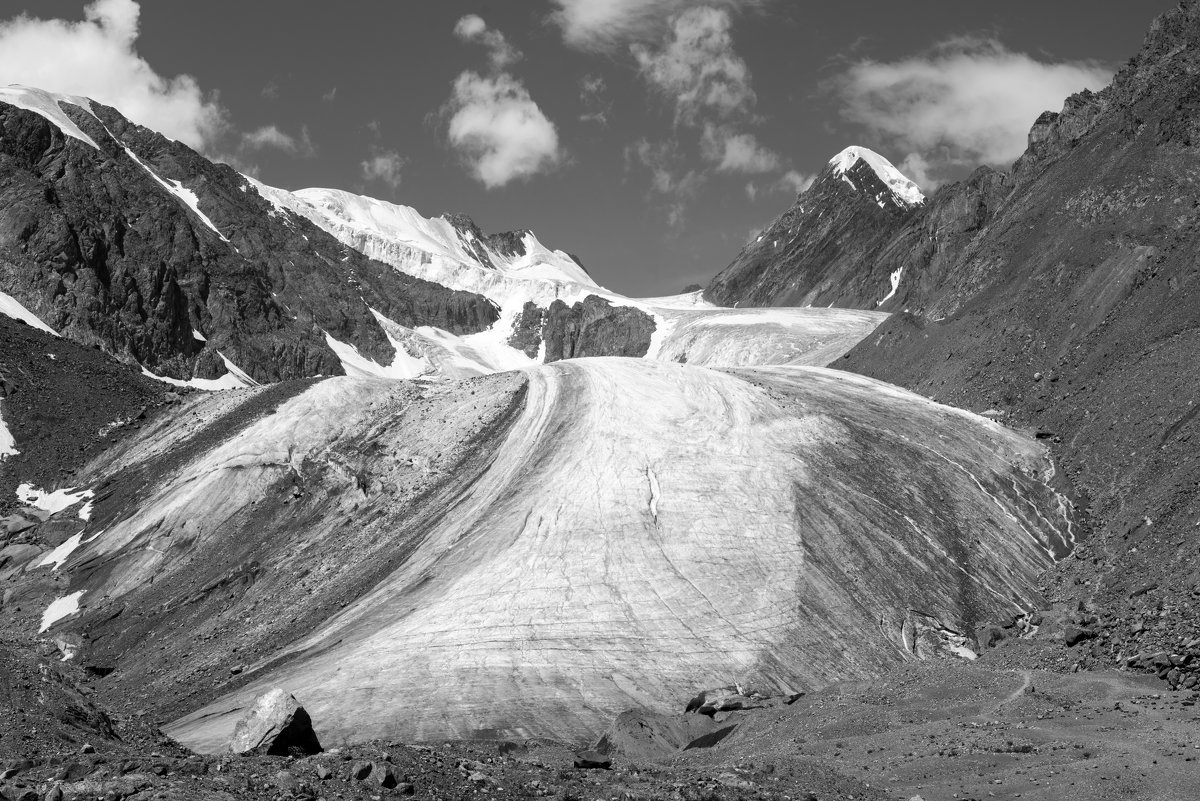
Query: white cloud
[(384, 166), (610, 24), (270, 136), (499, 130), (473, 29), (793, 182), (96, 58), (966, 101), (738, 153), (917, 168), (697, 68)]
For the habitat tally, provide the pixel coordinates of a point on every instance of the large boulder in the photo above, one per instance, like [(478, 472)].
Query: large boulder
[(275, 724)]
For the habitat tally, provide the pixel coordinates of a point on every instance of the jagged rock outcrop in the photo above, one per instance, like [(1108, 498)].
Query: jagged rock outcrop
[(595, 327), (591, 327), (132, 242)]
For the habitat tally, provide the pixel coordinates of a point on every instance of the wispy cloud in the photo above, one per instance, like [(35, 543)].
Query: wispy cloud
[(473, 29), (613, 24), (592, 95), (968, 100), (271, 137), (96, 58)]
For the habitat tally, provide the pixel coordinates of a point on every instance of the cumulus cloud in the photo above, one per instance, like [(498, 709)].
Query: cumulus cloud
[(966, 101), (96, 58), (271, 137), (499, 131), (596, 25), (473, 29), (384, 166)]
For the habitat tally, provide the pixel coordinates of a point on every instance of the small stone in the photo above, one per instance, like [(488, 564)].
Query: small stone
[(323, 772), (406, 788), (384, 775), (360, 771), (88, 748)]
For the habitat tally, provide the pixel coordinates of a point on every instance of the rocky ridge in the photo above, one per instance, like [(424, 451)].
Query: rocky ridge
[(133, 242)]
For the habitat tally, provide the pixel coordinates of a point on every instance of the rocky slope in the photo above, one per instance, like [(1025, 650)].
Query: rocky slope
[(1060, 296), (118, 237)]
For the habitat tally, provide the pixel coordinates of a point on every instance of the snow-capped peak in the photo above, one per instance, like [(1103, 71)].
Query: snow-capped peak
[(905, 190)]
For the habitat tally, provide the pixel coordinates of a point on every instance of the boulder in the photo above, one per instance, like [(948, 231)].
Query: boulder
[(275, 724), (588, 760)]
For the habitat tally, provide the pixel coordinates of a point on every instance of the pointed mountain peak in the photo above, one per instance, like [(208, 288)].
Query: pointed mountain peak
[(906, 191)]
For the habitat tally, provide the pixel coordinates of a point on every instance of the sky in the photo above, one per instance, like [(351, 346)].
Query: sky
[(650, 138)]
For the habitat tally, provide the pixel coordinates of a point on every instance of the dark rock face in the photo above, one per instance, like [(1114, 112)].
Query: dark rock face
[(101, 250), (824, 250), (1069, 302), (527, 331), (593, 327)]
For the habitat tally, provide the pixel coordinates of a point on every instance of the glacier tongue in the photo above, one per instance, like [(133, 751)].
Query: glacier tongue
[(905, 190)]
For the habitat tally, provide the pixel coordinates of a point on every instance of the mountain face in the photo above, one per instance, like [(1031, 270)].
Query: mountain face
[(118, 237), (1062, 294), (824, 250)]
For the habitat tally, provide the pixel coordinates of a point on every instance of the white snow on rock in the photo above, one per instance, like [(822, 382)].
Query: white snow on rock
[(185, 195), (55, 502), (11, 307), (8, 445), (895, 279), (46, 104), (59, 609), (55, 558), (904, 188), (235, 378), (356, 365)]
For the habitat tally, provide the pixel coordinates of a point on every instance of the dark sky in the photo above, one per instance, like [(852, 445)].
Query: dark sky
[(640, 197)]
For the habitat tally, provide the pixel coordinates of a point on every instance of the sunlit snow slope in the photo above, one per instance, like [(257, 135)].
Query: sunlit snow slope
[(531, 553)]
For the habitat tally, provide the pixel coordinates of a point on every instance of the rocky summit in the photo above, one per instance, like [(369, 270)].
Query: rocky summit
[(307, 495)]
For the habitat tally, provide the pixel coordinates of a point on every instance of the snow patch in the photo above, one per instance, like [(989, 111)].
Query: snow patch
[(59, 555), (46, 105), (8, 445), (55, 502), (905, 190), (61, 608), (895, 286), (196, 335), (356, 365), (11, 307), (234, 379)]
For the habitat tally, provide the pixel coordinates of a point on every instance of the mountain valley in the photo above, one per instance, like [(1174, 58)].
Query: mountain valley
[(903, 504)]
